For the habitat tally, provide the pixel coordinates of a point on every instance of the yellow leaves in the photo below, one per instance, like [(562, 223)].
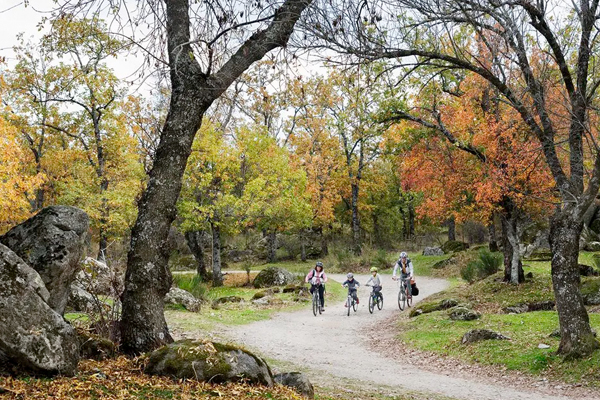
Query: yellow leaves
[(17, 183)]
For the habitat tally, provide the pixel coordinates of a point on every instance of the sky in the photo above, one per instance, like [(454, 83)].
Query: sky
[(16, 17)]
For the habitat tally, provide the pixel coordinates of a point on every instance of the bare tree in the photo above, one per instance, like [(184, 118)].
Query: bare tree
[(209, 44), (539, 67)]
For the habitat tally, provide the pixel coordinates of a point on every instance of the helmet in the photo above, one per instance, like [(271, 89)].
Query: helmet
[(350, 275), (319, 264), (373, 269), (403, 255)]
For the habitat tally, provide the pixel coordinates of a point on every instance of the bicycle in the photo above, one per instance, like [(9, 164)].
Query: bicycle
[(404, 295), (316, 301), (375, 299), (351, 302)]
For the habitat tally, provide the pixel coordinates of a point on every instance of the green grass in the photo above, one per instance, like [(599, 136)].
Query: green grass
[(437, 333), (241, 313)]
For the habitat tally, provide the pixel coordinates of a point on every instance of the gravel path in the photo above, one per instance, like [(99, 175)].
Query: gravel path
[(362, 348)]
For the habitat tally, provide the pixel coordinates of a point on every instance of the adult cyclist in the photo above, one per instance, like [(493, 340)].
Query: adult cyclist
[(317, 279), (405, 268)]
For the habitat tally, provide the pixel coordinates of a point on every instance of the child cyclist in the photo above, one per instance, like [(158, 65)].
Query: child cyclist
[(405, 267), (317, 279), (375, 282), (352, 285)]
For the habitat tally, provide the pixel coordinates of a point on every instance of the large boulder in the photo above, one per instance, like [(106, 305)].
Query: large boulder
[(433, 251), (179, 296), (209, 362), (297, 381), (52, 242), (273, 276), (33, 337)]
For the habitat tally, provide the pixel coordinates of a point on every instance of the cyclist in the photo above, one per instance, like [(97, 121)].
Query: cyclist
[(352, 285), (317, 279), (376, 282), (404, 265)]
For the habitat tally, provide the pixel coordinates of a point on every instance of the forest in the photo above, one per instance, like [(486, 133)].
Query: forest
[(262, 133)]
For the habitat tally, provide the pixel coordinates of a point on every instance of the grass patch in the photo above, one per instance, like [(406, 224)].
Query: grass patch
[(437, 333), (244, 312)]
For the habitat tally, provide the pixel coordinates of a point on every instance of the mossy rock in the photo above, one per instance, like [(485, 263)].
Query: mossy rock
[(425, 308), (94, 347), (273, 276), (453, 246), (463, 314), (259, 295), (208, 362)]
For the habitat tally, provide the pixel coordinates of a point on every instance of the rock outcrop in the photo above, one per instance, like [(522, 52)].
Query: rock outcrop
[(33, 337), (52, 242)]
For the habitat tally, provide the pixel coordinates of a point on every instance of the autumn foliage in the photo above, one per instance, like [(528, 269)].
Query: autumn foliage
[(468, 186)]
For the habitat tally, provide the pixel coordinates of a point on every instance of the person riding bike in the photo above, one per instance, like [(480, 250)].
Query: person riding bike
[(352, 285), (405, 266), (317, 279), (375, 282)]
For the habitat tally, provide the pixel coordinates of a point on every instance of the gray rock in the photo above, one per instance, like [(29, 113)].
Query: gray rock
[(591, 299), (592, 246), (477, 335), (83, 301), (228, 299), (517, 309), (183, 297), (52, 242), (463, 314), (98, 278), (448, 303), (297, 381), (33, 337), (433, 251), (94, 347), (273, 276), (208, 361)]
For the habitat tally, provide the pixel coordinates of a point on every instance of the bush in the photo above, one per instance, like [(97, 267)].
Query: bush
[(192, 284), (469, 272), (487, 264)]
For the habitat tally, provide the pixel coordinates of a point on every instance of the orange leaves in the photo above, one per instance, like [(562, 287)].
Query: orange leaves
[(122, 379), (456, 182)]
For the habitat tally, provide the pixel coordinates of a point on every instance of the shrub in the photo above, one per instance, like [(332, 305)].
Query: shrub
[(192, 284), (487, 264), (469, 272)]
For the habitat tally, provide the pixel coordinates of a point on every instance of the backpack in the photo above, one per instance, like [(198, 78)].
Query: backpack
[(414, 289)]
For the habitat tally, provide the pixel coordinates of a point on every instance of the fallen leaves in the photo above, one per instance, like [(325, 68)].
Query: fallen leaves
[(122, 379)]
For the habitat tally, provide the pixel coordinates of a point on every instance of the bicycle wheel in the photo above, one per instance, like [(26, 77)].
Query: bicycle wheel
[(380, 302), (354, 305), (371, 304), (349, 304), (315, 302), (401, 298)]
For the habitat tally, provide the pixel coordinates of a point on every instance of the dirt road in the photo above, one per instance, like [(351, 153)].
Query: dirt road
[(339, 345)]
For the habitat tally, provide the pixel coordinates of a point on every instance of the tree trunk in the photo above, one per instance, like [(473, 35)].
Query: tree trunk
[(451, 229), (195, 241), (148, 279), (102, 247), (217, 275), (411, 219), (493, 246), (512, 255), (271, 246), (355, 221), (324, 243), (303, 238), (576, 338)]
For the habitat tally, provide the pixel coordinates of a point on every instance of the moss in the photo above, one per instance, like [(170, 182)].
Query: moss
[(590, 286)]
